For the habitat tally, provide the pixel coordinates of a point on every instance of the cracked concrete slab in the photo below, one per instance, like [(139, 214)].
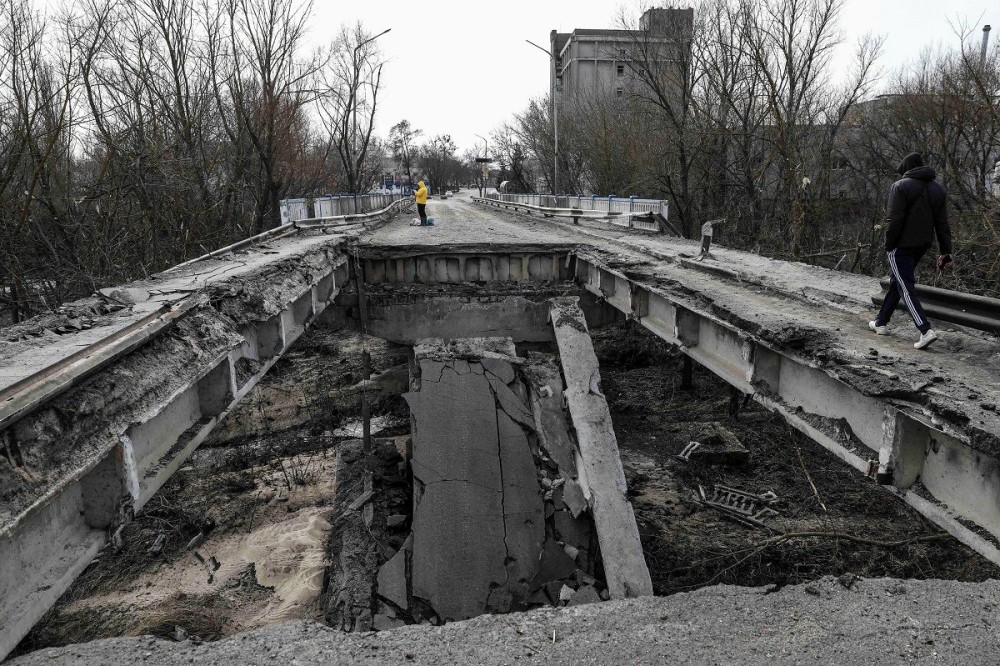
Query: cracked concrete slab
[(481, 493), (523, 513), (458, 537)]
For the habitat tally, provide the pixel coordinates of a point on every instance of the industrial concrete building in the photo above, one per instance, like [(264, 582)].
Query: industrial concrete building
[(597, 61)]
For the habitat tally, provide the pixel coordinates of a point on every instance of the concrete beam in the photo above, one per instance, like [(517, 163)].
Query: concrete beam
[(859, 428), (129, 437), (600, 465)]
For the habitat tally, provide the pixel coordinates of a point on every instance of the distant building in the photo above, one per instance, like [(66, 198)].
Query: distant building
[(589, 61)]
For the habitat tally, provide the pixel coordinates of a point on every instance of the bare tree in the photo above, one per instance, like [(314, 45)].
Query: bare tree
[(401, 142), (350, 100)]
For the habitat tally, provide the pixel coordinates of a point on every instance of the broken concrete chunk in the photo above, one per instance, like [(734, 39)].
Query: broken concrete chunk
[(717, 445), (574, 531), (555, 564), (552, 590), (565, 593), (550, 417), (392, 580), (361, 500), (512, 404), (503, 370), (395, 520), (539, 597), (383, 622), (557, 499), (574, 498), (585, 595)]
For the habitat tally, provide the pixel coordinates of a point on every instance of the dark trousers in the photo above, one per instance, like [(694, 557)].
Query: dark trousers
[(422, 212), (902, 264)]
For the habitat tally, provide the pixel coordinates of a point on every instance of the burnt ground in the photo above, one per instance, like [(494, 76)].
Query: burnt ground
[(862, 531)]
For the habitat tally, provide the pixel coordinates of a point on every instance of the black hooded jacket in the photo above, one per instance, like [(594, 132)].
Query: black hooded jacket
[(918, 212)]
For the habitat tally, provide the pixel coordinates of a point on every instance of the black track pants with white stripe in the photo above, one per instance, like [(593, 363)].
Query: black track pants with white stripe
[(902, 263)]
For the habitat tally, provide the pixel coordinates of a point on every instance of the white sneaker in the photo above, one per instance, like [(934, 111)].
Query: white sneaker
[(926, 339), (879, 330)]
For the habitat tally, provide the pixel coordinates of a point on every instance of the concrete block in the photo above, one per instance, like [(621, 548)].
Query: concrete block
[(571, 529), (425, 270), (687, 327), (515, 317), (217, 389), (392, 577), (546, 387), (478, 520), (910, 441), (101, 489), (270, 338), (324, 290), (585, 595), (718, 446)]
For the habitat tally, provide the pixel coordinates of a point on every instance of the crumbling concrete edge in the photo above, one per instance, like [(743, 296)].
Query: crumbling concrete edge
[(48, 543)]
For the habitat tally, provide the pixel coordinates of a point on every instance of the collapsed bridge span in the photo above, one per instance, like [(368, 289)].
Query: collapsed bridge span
[(73, 469)]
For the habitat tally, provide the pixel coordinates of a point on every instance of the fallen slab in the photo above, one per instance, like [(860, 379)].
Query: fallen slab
[(490, 531), (600, 465)]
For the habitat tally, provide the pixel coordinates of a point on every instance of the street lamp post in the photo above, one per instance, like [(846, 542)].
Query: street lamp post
[(354, 109), (554, 111)]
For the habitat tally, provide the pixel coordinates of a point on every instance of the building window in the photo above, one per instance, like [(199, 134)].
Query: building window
[(620, 92), (623, 53), (621, 70)]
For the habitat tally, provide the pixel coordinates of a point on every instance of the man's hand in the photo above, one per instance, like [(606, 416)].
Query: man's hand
[(944, 261)]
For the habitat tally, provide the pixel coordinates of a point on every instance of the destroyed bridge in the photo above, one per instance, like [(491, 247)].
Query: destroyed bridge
[(102, 401)]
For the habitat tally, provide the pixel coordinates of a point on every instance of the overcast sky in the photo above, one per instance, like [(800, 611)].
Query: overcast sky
[(462, 68)]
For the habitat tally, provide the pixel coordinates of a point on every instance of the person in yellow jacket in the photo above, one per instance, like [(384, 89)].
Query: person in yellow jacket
[(420, 194)]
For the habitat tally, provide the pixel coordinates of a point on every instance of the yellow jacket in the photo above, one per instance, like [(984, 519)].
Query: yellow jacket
[(421, 193)]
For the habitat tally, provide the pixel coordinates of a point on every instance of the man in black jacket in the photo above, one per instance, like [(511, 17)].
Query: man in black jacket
[(917, 213)]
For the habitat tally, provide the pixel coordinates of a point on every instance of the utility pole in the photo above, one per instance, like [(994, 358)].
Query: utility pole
[(554, 112), (486, 168)]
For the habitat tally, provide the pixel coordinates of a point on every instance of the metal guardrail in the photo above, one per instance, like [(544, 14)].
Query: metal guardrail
[(979, 312), (607, 204), (23, 397), (293, 228), (644, 220), (296, 210)]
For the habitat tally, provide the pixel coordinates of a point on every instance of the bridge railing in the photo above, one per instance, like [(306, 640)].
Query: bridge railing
[(334, 205), (608, 204)]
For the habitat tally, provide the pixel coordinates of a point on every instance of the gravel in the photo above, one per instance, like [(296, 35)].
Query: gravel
[(842, 620)]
